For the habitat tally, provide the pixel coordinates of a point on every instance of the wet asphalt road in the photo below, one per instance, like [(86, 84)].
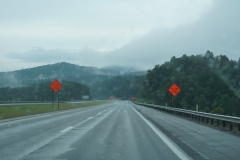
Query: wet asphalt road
[(120, 130)]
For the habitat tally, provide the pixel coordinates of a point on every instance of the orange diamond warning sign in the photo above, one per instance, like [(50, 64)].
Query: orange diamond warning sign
[(56, 85), (174, 89)]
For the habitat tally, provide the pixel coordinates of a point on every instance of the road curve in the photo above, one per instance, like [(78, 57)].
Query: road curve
[(120, 130)]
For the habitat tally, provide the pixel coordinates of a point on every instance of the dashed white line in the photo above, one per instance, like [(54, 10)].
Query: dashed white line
[(170, 144), (89, 118), (99, 113), (70, 128), (67, 129)]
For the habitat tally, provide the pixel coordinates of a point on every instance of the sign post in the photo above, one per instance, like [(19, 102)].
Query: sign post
[(58, 99), (174, 90), (52, 99), (55, 85)]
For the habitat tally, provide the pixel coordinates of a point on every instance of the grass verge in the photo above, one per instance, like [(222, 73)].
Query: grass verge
[(24, 110)]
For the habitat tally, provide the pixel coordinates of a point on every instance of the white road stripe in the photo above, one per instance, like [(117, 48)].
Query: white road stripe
[(67, 129), (89, 118), (164, 138), (99, 113)]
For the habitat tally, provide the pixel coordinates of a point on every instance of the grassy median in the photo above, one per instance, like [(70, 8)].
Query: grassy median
[(30, 109)]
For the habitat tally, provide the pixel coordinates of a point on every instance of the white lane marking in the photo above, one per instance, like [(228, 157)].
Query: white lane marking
[(70, 128), (89, 118), (104, 111), (67, 129), (164, 138), (47, 141), (99, 113)]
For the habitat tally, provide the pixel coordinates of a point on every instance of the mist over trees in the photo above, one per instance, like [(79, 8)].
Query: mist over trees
[(60, 71), (121, 87)]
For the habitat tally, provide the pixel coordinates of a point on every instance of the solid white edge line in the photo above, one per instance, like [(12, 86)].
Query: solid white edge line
[(164, 138)]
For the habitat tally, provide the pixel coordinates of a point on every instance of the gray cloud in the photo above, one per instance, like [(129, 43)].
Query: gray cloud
[(217, 31), (40, 55)]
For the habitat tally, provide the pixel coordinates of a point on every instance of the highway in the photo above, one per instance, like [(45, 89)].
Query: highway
[(120, 130)]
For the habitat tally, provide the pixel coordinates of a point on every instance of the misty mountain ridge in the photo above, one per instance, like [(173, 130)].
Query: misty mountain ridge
[(60, 71), (122, 69)]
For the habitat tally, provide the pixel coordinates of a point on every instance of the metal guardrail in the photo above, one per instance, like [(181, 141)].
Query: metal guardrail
[(224, 122)]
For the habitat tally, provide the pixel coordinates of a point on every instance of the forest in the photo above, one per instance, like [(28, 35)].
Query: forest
[(211, 82)]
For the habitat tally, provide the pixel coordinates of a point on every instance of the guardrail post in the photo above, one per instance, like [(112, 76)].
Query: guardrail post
[(223, 124), (231, 126), (235, 127)]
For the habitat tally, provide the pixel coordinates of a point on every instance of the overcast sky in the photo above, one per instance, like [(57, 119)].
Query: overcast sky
[(139, 33)]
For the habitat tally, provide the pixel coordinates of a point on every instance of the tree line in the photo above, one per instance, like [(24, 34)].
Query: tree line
[(42, 92)]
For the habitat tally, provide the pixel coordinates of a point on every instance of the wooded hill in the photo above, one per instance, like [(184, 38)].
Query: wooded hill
[(60, 71), (211, 82)]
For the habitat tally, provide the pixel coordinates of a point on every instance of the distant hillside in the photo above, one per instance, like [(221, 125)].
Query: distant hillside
[(123, 87), (136, 73), (211, 82), (60, 71), (122, 69)]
